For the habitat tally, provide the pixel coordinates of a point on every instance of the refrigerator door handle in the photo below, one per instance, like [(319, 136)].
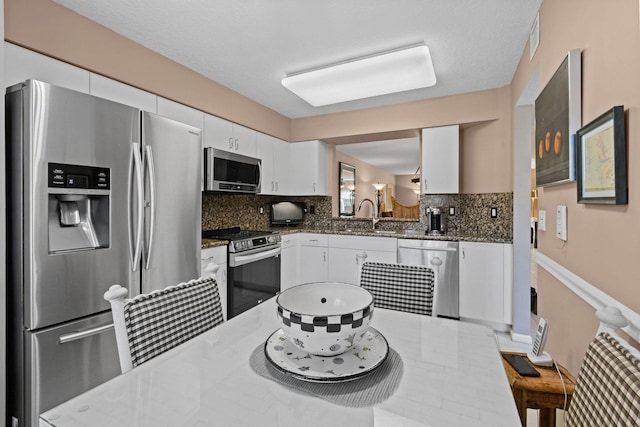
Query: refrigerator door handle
[(75, 336), (135, 166), (152, 203)]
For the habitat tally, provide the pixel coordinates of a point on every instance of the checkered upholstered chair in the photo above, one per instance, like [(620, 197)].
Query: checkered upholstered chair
[(607, 390), (400, 287), (150, 324)]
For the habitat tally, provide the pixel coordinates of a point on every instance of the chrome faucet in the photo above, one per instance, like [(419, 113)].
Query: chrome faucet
[(374, 212)]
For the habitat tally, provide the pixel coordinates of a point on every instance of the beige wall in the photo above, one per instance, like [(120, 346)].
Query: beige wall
[(366, 176), (48, 28), (603, 241), (403, 191)]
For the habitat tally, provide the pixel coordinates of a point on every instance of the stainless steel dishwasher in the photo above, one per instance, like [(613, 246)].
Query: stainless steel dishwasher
[(421, 252)]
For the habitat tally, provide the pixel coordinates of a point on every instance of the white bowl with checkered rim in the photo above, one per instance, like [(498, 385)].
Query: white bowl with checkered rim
[(325, 318)]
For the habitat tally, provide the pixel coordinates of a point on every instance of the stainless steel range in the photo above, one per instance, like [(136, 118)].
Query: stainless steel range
[(253, 274)]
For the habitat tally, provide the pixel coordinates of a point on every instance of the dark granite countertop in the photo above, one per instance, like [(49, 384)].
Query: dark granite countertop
[(401, 234), (212, 243)]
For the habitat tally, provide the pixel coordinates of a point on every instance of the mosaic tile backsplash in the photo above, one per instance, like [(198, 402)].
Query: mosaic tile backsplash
[(472, 214)]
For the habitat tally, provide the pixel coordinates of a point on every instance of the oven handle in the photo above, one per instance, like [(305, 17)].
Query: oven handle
[(238, 260)]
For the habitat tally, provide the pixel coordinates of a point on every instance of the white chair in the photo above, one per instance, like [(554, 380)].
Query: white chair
[(607, 391), (402, 287), (150, 324)]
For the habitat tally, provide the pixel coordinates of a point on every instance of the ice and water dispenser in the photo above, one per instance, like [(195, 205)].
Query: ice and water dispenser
[(79, 198)]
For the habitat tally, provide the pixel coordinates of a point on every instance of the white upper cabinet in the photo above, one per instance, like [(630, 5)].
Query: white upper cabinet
[(282, 171), (264, 151), (22, 64), (440, 160), (228, 136), (309, 160), (181, 113), (122, 93), (276, 160)]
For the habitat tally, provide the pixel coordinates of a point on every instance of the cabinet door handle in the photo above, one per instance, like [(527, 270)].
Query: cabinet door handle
[(236, 143), (324, 256), (314, 187), (463, 254), (273, 188), (362, 256), (276, 185), (231, 143), (425, 183)]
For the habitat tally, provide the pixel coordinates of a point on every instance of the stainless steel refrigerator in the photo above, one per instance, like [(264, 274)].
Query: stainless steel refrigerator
[(98, 193)]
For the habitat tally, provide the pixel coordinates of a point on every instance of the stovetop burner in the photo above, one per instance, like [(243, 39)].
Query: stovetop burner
[(243, 240)]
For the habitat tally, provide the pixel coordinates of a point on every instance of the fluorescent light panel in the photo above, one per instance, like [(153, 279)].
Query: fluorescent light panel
[(389, 72)]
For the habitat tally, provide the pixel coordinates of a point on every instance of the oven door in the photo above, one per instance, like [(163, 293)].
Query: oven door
[(252, 277)]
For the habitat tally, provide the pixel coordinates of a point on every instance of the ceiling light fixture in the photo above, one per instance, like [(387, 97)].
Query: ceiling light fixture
[(393, 71)]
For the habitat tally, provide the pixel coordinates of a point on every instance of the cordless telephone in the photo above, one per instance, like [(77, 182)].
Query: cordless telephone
[(537, 356)]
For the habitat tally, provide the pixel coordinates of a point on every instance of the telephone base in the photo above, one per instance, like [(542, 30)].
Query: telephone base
[(543, 360)]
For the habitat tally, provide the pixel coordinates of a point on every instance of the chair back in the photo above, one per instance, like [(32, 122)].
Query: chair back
[(401, 287), (150, 324), (607, 391)]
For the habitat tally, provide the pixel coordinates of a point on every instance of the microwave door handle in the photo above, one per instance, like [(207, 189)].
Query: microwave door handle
[(259, 174), (135, 167), (152, 203)]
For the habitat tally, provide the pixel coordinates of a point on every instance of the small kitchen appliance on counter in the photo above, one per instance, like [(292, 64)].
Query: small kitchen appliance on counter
[(435, 221), (287, 213), (253, 269)]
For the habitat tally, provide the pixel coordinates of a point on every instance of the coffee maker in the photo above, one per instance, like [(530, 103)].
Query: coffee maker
[(435, 220)]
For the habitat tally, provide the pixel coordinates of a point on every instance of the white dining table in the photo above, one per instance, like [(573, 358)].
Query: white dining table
[(452, 376)]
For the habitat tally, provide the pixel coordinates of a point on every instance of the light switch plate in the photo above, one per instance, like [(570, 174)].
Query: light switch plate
[(542, 220), (561, 222)]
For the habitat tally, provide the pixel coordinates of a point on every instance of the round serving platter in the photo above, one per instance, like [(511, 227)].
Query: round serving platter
[(354, 363)]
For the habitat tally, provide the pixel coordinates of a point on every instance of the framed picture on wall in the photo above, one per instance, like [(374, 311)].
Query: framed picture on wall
[(602, 159), (558, 118)]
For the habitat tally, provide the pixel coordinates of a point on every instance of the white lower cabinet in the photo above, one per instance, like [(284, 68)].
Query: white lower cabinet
[(486, 281), (348, 253), (289, 261), (314, 258), (217, 255)]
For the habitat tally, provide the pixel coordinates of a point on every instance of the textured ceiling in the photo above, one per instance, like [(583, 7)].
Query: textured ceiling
[(249, 45)]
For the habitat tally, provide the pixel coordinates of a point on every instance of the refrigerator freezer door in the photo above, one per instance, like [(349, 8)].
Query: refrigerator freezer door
[(172, 154), (46, 125), (66, 361)]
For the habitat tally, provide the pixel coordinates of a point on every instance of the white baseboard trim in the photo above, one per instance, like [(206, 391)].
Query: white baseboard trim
[(521, 338), (589, 293)]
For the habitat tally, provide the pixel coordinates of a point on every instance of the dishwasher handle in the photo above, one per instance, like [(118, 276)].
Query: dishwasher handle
[(422, 248)]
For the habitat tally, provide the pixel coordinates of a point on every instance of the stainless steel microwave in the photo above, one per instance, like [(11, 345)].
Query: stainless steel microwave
[(231, 172)]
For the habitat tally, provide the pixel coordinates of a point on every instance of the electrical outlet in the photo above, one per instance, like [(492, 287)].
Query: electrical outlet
[(261, 210), (494, 212), (561, 222), (452, 211), (312, 209)]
